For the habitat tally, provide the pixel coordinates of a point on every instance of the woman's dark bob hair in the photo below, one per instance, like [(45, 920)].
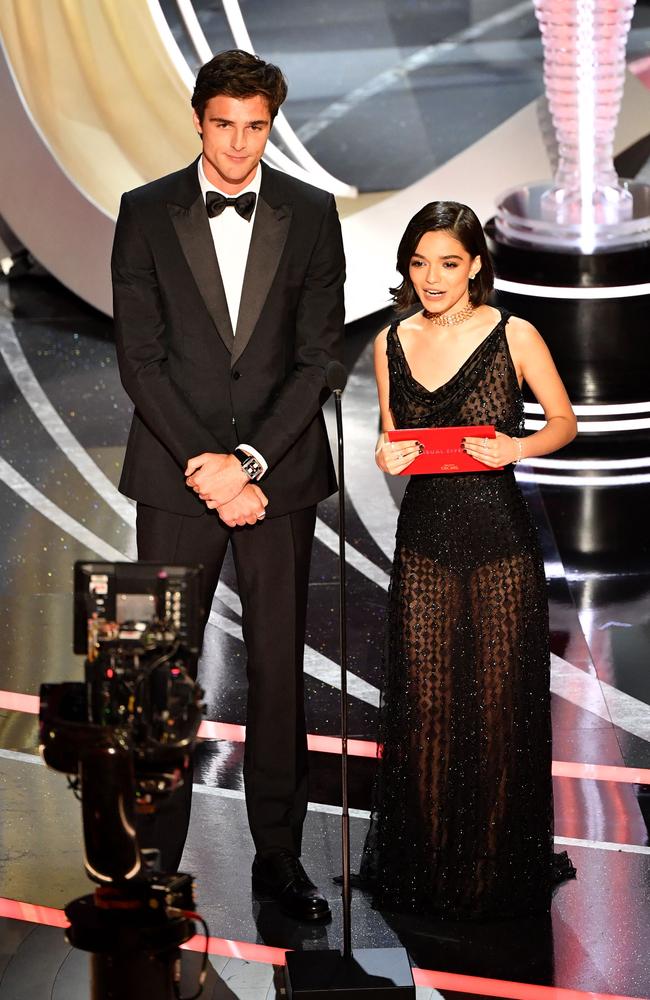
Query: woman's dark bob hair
[(239, 74), (461, 223)]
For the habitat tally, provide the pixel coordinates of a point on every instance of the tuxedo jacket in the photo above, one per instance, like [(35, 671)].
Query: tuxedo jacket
[(198, 385)]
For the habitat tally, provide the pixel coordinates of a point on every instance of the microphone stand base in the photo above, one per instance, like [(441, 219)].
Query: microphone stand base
[(368, 972)]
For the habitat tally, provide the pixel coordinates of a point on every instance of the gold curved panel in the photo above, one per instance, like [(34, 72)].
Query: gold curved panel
[(102, 89)]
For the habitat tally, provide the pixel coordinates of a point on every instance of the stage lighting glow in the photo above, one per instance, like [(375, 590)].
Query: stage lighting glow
[(564, 292), (586, 58), (543, 479), (588, 464), (597, 409), (599, 426)]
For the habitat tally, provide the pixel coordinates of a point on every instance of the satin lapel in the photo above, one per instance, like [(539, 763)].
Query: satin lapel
[(270, 231), (193, 231)]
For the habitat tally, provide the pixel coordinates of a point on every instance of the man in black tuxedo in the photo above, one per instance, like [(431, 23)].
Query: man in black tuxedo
[(228, 294)]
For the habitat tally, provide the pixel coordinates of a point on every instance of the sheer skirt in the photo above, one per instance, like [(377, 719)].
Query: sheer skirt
[(463, 819)]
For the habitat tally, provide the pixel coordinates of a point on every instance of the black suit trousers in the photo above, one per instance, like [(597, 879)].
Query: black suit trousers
[(272, 564)]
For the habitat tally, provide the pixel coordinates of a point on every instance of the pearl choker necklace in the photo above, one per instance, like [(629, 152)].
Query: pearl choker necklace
[(454, 319)]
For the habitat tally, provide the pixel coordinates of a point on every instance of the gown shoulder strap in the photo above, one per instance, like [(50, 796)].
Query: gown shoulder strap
[(505, 315), (392, 340)]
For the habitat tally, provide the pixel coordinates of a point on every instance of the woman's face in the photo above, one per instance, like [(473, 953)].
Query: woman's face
[(440, 270)]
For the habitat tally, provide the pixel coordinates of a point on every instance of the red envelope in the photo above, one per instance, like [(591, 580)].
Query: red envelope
[(443, 451)]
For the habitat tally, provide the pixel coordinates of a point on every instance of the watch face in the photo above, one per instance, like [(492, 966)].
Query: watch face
[(252, 467)]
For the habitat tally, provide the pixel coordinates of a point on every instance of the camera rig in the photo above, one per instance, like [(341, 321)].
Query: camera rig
[(124, 736)]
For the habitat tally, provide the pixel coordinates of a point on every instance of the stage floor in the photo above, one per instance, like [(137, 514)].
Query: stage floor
[(64, 420)]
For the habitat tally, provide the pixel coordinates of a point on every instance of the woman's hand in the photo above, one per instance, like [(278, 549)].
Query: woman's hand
[(493, 452), (395, 456)]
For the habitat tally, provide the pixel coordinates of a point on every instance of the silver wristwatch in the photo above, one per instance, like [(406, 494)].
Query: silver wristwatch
[(249, 464)]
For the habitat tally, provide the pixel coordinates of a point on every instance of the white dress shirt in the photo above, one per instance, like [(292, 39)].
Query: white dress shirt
[(231, 235)]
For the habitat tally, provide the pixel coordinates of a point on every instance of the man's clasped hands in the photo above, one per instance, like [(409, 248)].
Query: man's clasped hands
[(222, 484)]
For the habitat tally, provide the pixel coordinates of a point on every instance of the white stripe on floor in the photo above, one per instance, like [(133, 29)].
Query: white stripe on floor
[(362, 814)]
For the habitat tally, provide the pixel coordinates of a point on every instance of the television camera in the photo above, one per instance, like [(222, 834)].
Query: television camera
[(124, 736)]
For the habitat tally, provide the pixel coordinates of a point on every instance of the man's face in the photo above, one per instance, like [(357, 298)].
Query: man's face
[(235, 132)]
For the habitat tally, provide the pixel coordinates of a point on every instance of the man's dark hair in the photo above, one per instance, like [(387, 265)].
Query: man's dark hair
[(461, 223), (239, 74)]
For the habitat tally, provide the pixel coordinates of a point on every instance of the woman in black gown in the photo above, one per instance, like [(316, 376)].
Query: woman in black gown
[(463, 820)]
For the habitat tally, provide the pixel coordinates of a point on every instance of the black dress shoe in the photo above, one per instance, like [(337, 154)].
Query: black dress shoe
[(282, 878)]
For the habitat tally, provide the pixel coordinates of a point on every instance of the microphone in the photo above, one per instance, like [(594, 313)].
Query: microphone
[(362, 972), (336, 376)]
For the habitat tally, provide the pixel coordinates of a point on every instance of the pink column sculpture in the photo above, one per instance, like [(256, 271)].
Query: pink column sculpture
[(584, 71)]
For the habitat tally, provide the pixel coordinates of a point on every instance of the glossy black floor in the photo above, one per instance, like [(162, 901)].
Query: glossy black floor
[(63, 418)]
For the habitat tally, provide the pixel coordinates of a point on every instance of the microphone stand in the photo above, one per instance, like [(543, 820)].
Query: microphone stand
[(364, 972)]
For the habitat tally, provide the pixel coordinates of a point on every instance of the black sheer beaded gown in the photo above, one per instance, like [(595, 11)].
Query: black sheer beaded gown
[(462, 824)]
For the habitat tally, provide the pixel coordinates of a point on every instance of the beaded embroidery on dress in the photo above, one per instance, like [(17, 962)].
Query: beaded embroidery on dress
[(462, 825)]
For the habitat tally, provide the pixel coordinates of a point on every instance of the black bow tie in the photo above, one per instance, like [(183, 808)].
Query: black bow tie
[(244, 204)]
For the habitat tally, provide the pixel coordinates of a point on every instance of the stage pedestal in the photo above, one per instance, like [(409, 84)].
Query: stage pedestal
[(592, 310)]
